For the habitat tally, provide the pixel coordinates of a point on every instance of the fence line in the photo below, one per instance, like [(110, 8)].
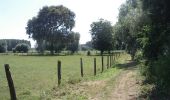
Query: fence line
[(110, 60), (10, 82)]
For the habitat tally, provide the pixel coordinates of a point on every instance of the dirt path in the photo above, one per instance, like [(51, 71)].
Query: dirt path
[(126, 86), (123, 86)]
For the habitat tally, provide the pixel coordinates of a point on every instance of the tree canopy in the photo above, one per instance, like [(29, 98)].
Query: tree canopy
[(157, 48), (128, 28), (22, 47), (51, 25), (101, 32), (11, 43), (3, 46), (73, 41)]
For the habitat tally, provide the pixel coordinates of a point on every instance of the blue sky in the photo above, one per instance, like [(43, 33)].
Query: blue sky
[(14, 15)]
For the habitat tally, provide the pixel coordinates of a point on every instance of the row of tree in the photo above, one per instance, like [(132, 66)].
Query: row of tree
[(11, 44), (143, 30), (144, 26)]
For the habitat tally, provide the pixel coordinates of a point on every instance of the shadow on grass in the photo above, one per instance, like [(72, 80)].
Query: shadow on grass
[(128, 66)]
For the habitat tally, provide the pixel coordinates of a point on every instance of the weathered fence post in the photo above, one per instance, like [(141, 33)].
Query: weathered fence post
[(10, 82), (110, 61), (59, 72), (94, 66), (114, 56), (102, 64), (81, 66), (107, 61)]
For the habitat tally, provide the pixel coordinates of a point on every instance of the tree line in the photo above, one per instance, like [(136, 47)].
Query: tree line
[(143, 29), (13, 45)]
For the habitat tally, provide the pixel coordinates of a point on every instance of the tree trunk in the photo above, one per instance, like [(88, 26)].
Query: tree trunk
[(52, 49), (132, 57), (133, 54), (101, 52)]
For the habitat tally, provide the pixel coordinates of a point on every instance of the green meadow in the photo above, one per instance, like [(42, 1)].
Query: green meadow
[(35, 77)]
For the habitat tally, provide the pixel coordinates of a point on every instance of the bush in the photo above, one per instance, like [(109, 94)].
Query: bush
[(157, 72), (162, 71), (138, 56), (22, 48), (13, 50), (88, 53)]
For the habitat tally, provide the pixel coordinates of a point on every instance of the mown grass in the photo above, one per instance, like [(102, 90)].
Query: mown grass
[(35, 77)]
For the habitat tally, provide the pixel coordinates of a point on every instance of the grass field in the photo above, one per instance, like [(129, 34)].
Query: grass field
[(35, 77)]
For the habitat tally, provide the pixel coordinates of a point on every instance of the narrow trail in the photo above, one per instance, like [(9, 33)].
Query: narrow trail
[(126, 86)]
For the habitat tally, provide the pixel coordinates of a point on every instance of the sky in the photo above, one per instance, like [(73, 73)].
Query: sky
[(14, 15)]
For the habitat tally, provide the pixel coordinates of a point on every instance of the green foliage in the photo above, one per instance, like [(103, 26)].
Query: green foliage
[(88, 53), (22, 48), (101, 33), (11, 43), (157, 72), (40, 46), (129, 26), (155, 42), (143, 26), (87, 46), (159, 37), (162, 71), (3, 46), (73, 41), (52, 25)]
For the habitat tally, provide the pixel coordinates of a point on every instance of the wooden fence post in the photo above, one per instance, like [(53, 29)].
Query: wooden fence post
[(10, 82), (94, 66), (114, 56), (59, 72), (110, 61), (107, 61), (81, 66), (102, 64)]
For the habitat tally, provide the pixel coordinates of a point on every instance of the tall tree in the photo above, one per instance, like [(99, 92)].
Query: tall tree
[(157, 48), (73, 41), (52, 24), (101, 32), (126, 31)]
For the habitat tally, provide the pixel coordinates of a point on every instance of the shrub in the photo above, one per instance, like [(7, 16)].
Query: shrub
[(88, 53), (157, 72), (22, 48), (162, 71), (13, 50)]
